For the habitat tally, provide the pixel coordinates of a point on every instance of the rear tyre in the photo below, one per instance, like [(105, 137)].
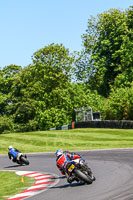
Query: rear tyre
[(24, 160), (83, 177)]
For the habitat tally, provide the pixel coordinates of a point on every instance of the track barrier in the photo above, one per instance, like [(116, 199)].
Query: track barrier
[(117, 124)]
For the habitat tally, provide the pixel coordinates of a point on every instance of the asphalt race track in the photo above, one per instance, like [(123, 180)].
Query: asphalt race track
[(113, 170)]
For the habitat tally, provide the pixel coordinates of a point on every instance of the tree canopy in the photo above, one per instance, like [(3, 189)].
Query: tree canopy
[(108, 54)]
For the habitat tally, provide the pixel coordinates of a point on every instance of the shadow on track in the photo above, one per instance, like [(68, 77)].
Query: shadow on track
[(12, 166), (59, 177), (68, 185)]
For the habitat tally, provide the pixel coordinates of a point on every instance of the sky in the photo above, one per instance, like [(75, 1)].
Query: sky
[(28, 25)]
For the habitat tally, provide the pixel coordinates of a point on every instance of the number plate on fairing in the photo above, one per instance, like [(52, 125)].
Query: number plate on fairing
[(71, 168)]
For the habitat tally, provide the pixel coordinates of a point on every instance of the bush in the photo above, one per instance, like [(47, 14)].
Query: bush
[(119, 105), (6, 124), (51, 118), (32, 125)]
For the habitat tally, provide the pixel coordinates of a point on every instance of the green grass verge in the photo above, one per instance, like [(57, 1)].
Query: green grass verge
[(73, 139), (11, 184)]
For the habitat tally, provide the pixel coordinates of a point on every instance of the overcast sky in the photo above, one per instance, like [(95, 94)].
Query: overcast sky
[(29, 25)]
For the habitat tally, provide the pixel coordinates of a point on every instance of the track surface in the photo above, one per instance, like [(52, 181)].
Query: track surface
[(113, 170)]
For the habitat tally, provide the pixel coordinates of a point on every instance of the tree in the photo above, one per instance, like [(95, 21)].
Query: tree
[(125, 78), (107, 42), (119, 105), (7, 76), (42, 86)]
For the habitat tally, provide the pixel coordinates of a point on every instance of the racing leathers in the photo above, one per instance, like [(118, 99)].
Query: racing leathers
[(13, 153), (63, 159)]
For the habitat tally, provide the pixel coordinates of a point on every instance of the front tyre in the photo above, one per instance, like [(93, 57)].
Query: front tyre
[(24, 160), (83, 177)]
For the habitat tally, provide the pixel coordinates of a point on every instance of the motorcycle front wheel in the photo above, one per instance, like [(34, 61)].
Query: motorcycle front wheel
[(83, 177)]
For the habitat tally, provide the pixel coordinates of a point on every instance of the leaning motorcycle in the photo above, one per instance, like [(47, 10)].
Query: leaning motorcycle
[(80, 171), (22, 159)]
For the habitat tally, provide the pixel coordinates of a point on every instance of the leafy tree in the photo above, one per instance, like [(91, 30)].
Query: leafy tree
[(119, 105), (6, 124), (7, 76), (107, 42), (43, 92), (125, 78), (41, 87)]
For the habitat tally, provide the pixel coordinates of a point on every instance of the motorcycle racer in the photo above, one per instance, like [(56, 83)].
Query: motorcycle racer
[(16, 156), (13, 153), (62, 158)]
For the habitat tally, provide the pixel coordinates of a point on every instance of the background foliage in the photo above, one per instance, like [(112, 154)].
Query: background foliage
[(45, 93)]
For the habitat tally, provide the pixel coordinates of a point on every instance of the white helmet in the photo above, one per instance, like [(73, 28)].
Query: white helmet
[(10, 147), (59, 152)]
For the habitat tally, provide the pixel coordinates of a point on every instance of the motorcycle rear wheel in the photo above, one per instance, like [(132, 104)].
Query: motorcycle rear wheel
[(83, 177), (24, 160)]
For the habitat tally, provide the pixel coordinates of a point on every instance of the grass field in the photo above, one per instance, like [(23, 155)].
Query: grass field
[(11, 184), (73, 139)]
